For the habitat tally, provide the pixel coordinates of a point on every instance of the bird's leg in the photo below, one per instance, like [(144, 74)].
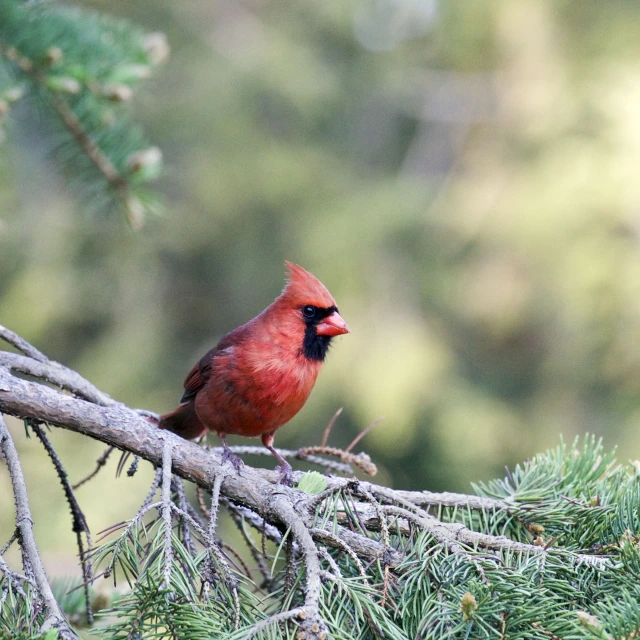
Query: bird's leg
[(228, 455), (286, 472)]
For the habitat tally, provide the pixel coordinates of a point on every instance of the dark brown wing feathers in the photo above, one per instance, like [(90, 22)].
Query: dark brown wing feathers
[(198, 376)]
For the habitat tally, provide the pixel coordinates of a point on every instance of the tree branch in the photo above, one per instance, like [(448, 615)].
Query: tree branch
[(347, 517), (56, 374), (125, 429), (21, 344)]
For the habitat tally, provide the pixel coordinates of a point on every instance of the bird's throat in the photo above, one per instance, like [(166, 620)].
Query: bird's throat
[(315, 347)]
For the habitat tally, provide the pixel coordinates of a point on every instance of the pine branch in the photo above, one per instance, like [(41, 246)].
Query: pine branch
[(81, 68), (557, 537)]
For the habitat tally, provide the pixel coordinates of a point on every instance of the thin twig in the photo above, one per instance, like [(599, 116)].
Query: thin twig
[(55, 618), (329, 538), (21, 344), (254, 519), (332, 563), (100, 462), (201, 504), (240, 515), (384, 528), (291, 564), (215, 503), (213, 546), (327, 576), (178, 487), (239, 563), (299, 454), (79, 522), (287, 514), (329, 427), (360, 460), (166, 511), (455, 534), (133, 467), (363, 433), (56, 374), (298, 612), (338, 484), (456, 500), (378, 509), (191, 510), (10, 541), (157, 479), (14, 578)]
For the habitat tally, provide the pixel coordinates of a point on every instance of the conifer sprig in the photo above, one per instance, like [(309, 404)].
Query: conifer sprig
[(79, 69)]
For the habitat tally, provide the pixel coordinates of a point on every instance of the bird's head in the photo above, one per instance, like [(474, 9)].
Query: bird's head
[(311, 312)]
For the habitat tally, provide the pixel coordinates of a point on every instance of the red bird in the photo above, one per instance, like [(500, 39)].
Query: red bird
[(261, 374)]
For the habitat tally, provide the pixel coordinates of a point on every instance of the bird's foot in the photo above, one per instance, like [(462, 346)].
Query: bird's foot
[(286, 474), (229, 456)]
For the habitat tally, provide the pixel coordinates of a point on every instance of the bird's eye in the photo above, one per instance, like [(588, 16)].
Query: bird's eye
[(308, 311)]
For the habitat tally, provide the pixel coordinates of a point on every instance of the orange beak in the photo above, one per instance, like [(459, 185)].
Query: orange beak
[(332, 325)]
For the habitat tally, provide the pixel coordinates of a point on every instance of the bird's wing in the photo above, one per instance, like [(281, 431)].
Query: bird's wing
[(198, 376), (201, 372)]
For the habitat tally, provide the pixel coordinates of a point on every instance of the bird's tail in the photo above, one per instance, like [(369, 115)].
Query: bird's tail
[(184, 422)]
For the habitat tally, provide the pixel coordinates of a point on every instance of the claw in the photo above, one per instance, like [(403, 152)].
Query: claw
[(229, 456), (284, 468), (286, 474)]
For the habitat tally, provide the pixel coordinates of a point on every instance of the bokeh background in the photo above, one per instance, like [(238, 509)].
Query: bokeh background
[(463, 176)]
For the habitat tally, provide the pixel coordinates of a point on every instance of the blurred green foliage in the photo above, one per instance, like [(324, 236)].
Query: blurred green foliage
[(462, 176)]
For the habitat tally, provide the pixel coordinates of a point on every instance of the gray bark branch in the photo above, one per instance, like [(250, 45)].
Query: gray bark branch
[(126, 429)]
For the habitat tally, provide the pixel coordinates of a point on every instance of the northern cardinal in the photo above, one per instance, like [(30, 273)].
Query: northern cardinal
[(261, 374)]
